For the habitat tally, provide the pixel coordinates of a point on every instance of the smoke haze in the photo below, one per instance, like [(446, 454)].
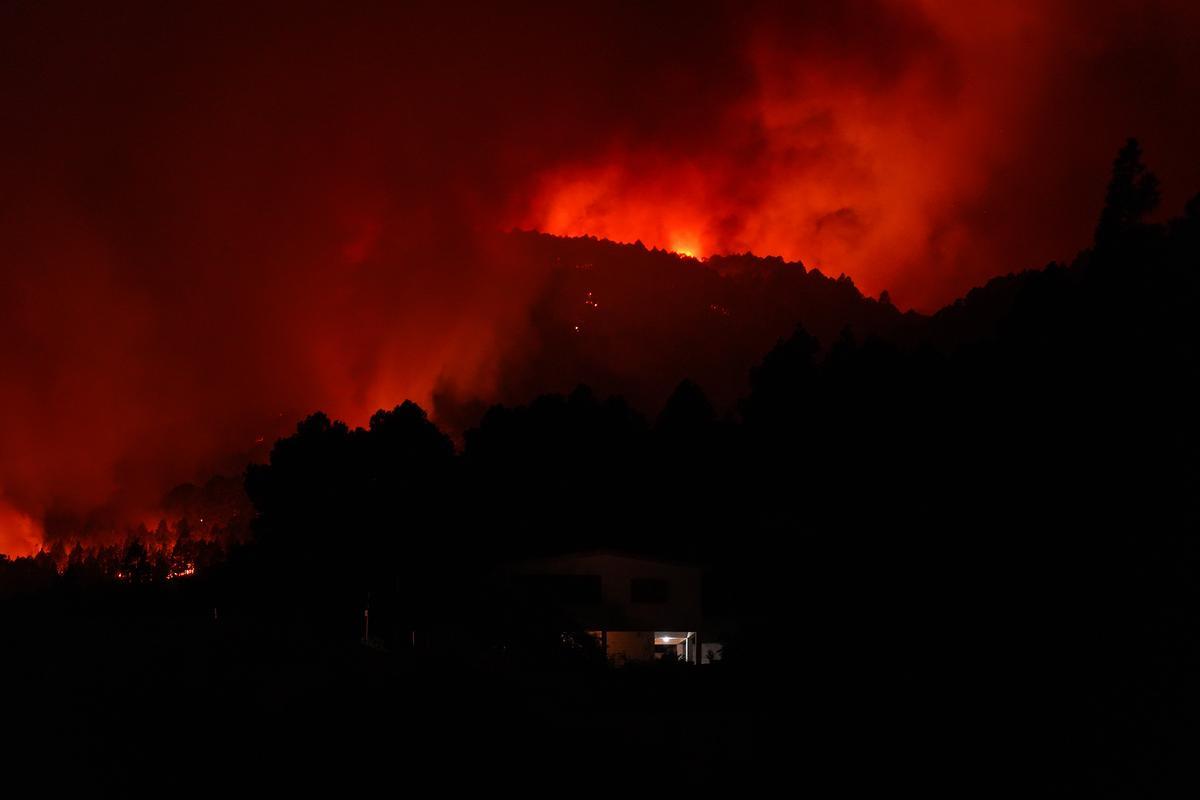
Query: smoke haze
[(217, 219)]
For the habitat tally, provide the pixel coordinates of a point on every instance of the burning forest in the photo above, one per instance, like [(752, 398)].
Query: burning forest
[(653, 397)]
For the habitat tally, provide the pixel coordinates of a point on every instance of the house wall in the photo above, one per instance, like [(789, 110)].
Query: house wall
[(630, 646), (618, 610)]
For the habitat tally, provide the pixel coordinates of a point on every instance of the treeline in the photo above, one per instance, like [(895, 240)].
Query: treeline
[(989, 527), (631, 321), (1068, 404), (169, 552), (1044, 407), (995, 522), (1043, 428)]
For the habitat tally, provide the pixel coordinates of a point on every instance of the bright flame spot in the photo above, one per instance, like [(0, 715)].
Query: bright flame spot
[(687, 245), (610, 202)]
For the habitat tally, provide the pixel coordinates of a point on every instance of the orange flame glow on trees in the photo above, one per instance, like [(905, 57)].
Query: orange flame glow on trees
[(210, 230)]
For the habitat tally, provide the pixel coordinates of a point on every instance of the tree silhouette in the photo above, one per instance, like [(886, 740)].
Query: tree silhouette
[(688, 411), (781, 385), (993, 512), (1132, 194)]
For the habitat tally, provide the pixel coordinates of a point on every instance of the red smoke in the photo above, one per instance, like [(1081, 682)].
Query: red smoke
[(920, 148), (218, 219)]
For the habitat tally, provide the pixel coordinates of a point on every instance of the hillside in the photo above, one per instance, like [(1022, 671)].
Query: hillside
[(631, 321)]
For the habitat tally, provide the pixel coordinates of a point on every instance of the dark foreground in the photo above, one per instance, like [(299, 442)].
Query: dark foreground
[(140, 704), (963, 564), (137, 690)]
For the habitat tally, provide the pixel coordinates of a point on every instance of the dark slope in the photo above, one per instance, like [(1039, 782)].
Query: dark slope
[(634, 322), (630, 321), (968, 564)]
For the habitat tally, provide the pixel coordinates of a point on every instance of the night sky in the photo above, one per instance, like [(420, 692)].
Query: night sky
[(218, 218)]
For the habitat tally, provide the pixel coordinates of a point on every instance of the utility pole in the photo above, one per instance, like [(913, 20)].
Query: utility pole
[(367, 619)]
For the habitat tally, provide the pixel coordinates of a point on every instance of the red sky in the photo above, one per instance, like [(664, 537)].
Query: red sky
[(215, 220)]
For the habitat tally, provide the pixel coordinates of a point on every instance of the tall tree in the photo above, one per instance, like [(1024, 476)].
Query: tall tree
[(1132, 194)]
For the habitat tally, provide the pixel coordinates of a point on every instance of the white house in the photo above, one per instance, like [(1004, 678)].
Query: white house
[(640, 608)]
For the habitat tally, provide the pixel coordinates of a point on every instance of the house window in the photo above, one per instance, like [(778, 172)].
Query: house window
[(649, 590)]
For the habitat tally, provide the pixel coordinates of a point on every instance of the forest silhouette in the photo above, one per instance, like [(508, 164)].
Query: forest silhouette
[(971, 533)]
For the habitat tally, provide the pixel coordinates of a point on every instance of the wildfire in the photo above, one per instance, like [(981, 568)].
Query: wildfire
[(686, 245), (184, 571)]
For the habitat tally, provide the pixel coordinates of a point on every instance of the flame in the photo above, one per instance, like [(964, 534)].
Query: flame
[(182, 571), (623, 203), (848, 167)]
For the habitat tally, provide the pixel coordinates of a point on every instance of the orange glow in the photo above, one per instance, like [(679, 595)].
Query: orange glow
[(302, 216), (20, 534), (686, 245), (669, 211), (880, 171)]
